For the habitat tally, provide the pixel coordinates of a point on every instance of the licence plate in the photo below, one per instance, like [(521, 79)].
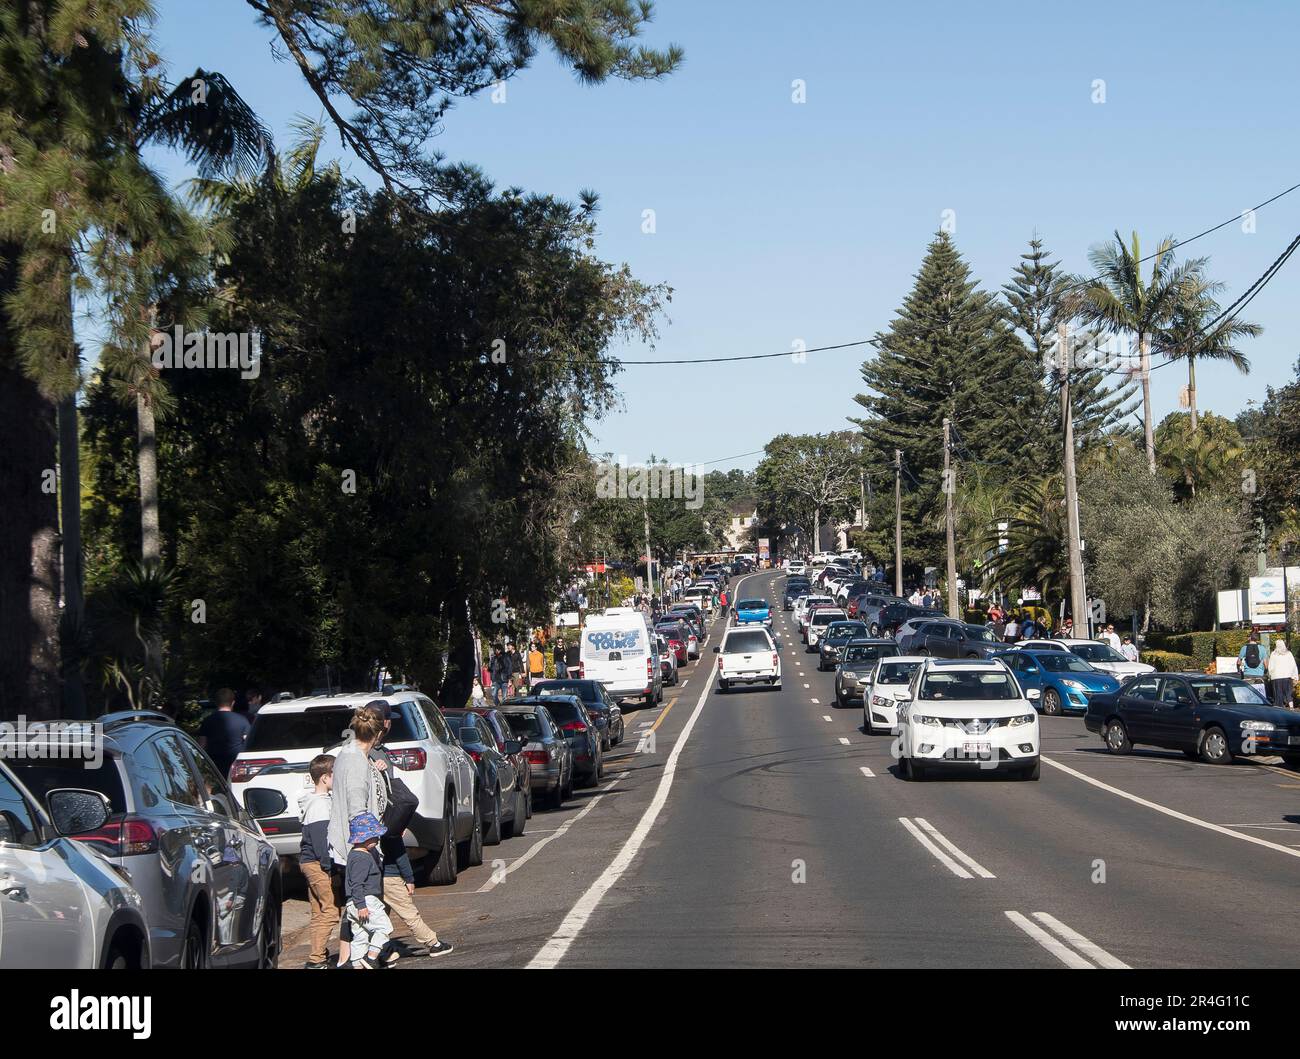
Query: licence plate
[(1293, 740), (977, 749)]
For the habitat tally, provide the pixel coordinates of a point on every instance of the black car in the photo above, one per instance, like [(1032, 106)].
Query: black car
[(1213, 718), (892, 615), (955, 639), (837, 634), (549, 758), (692, 614), (794, 588), (501, 784), (578, 730), (607, 713), (854, 672)]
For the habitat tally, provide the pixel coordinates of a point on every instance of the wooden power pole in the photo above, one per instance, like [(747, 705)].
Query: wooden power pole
[(949, 488), (898, 522), (1078, 594)]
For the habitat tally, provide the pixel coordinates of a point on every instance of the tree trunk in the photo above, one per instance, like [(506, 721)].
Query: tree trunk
[(1191, 389), (458, 680), (150, 535), (817, 529), (1144, 345), (74, 610)]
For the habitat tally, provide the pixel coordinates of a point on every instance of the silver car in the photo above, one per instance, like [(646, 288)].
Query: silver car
[(208, 877), (62, 905)]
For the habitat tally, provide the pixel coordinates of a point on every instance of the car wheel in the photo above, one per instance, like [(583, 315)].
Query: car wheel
[(722, 686), (470, 852), (1116, 736), (568, 786), (444, 868), (119, 957), (523, 810), (1214, 747), (194, 952), (915, 770), (493, 835), (1032, 772), (1052, 702), (1291, 761), (268, 938)]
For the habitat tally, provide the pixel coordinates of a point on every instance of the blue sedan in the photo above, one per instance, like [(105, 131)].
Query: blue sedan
[(1058, 681)]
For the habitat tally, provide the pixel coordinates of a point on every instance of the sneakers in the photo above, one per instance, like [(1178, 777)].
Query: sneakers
[(315, 965), (390, 957), (363, 964), (438, 948)]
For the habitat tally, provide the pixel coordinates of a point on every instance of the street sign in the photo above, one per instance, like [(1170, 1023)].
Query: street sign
[(1267, 602)]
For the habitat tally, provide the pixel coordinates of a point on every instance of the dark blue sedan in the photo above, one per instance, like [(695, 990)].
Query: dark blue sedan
[(1213, 718), (1058, 681)]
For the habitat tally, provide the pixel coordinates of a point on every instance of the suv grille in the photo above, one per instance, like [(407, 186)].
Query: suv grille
[(975, 725)]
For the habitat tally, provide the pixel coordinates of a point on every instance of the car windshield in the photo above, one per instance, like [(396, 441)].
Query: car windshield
[(978, 632), (869, 652), (1237, 692), (752, 604), (317, 726), (1064, 662), (584, 689), (459, 719), (896, 672), (1097, 652), (959, 685), (751, 642)]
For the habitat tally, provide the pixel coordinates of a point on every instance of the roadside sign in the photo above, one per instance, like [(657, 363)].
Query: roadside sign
[(1267, 602)]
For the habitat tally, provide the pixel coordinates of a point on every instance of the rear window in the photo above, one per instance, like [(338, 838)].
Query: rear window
[(825, 617), (319, 727), (752, 604), (746, 643), (584, 689), (564, 710), (842, 630), (43, 776), (869, 652), (526, 725)]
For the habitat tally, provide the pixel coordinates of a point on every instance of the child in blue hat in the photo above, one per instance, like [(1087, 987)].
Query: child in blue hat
[(363, 882)]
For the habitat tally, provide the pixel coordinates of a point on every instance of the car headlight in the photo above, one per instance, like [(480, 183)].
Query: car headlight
[(881, 700), (1024, 718), (1257, 726), (934, 722), (1073, 684), (849, 676)]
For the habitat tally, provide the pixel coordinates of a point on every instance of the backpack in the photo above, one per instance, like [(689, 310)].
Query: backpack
[(1252, 656)]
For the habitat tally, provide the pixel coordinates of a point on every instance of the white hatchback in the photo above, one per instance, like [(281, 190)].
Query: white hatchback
[(966, 714), (890, 684)]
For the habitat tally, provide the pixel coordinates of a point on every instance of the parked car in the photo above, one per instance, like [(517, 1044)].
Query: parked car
[(504, 736), (703, 596), (208, 879), (501, 791), (1058, 681), (604, 709), (953, 639), (667, 659), (1097, 654), (445, 834), (856, 666), (885, 689), (967, 714), (1213, 718), (832, 642), (680, 639), (794, 588), (893, 615), (617, 650), (549, 757), (577, 728), (748, 656), (692, 614), (65, 905)]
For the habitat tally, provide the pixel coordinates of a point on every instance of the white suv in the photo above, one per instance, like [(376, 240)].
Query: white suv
[(819, 620), (444, 836), (748, 655), (966, 714)]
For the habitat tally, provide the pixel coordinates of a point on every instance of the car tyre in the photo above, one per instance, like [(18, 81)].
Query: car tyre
[(1214, 746), (470, 852), (1116, 737), (268, 938), (1033, 772), (722, 686), (444, 869), (915, 770), (1052, 703), (493, 835), (194, 949)]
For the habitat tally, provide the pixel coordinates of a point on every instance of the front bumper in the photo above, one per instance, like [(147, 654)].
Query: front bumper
[(1000, 746), (886, 716)]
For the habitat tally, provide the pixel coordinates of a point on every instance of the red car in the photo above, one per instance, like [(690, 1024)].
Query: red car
[(675, 634), (501, 732)]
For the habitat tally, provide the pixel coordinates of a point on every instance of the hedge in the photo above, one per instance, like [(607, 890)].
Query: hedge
[(1204, 647), (1170, 661)]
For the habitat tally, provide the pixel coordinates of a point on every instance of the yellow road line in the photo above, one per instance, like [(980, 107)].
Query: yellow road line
[(671, 703)]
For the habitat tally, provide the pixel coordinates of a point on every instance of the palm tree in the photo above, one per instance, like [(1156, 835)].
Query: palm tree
[(1121, 302), (1035, 553), (1186, 338)]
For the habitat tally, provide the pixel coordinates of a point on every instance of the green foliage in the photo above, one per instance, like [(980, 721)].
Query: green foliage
[(808, 480), (1208, 458), (1170, 661)]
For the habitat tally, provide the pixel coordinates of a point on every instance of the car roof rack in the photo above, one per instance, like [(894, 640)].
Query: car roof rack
[(121, 717)]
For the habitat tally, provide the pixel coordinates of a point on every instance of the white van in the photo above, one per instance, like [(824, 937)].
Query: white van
[(617, 651)]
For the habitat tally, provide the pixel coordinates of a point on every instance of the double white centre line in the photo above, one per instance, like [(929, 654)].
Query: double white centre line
[(1060, 946), (929, 837)]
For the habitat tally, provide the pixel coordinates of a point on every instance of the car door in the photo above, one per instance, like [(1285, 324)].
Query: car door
[(505, 765), (455, 762), (1137, 707), (1029, 674), (940, 641), (44, 918), (1173, 716)]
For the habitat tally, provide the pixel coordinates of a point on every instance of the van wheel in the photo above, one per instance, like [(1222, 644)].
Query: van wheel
[(445, 868)]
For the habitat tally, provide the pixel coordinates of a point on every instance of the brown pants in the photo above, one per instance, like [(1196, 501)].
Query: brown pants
[(324, 904), (403, 907)]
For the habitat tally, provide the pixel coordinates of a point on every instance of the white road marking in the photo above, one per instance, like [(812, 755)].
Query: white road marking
[(939, 854), (867, 772), (970, 862), (805, 685), (844, 740), (826, 717), (1172, 812), (550, 954), (1062, 952), (814, 702), (1090, 949)]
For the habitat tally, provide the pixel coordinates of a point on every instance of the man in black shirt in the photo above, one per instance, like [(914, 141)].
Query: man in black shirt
[(223, 731)]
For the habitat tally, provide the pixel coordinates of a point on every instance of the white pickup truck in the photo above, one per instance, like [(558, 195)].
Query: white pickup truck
[(748, 656)]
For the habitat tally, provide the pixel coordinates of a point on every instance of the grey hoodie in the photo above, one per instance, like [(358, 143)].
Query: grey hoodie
[(355, 791), (315, 812)]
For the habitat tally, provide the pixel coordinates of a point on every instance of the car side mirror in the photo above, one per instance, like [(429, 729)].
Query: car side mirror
[(74, 811), (1033, 693), (1031, 669), (514, 746), (264, 803), (716, 650)]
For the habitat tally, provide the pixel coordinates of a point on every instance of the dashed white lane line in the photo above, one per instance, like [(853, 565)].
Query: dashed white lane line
[(1071, 957), (826, 717), (926, 834), (844, 740), (806, 685), (815, 702), (867, 772)]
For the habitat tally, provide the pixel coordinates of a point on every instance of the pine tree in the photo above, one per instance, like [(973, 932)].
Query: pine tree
[(950, 352)]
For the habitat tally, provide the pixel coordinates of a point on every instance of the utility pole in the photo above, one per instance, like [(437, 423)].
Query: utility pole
[(898, 522), (949, 487), (1078, 594), (649, 577)]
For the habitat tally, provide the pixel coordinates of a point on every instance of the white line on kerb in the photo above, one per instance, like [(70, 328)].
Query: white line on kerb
[(550, 954), (1172, 812)]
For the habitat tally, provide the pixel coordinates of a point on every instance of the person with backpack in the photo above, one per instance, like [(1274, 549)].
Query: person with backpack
[(1250, 660)]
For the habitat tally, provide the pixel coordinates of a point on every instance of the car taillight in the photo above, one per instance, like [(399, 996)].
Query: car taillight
[(649, 668), (538, 757), (410, 759), (475, 754), (775, 660), (246, 768), (582, 670), (123, 836), (574, 726)]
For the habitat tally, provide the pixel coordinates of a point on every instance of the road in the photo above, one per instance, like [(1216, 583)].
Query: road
[(765, 829)]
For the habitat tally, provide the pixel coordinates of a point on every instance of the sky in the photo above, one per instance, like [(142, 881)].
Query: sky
[(778, 222)]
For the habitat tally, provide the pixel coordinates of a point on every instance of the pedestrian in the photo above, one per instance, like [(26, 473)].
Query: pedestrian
[(1011, 633), (476, 697), (536, 664), (223, 732), (915, 597), (253, 696), (399, 891), (323, 898), (1129, 649), (1029, 627), (573, 659), (1111, 637), (1282, 672), (517, 670), (363, 887), (1251, 663), (499, 668), (557, 655)]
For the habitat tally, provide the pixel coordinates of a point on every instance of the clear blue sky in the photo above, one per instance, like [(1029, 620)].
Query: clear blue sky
[(779, 222)]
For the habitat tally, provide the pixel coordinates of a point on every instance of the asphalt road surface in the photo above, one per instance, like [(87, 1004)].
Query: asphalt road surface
[(763, 828)]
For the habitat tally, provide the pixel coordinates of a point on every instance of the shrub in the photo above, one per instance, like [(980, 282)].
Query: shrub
[(1170, 661)]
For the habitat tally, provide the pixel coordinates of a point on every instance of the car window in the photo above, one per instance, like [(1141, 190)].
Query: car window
[(179, 783), (217, 793), (527, 726), (42, 775), (1065, 662), (869, 652), (17, 825), (437, 725), (748, 642), (318, 726), (1227, 691), (896, 672), (1175, 693), (1143, 689)]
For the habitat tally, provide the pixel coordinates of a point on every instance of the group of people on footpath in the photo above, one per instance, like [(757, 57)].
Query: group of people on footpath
[(1274, 672), (353, 855), (509, 673)]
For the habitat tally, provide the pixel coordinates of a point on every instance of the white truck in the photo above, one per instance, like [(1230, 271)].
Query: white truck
[(748, 655)]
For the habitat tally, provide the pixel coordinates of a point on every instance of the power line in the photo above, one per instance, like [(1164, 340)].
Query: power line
[(750, 356)]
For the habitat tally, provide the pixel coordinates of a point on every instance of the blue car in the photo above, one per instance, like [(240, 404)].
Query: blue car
[(1058, 681), (753, 611)]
